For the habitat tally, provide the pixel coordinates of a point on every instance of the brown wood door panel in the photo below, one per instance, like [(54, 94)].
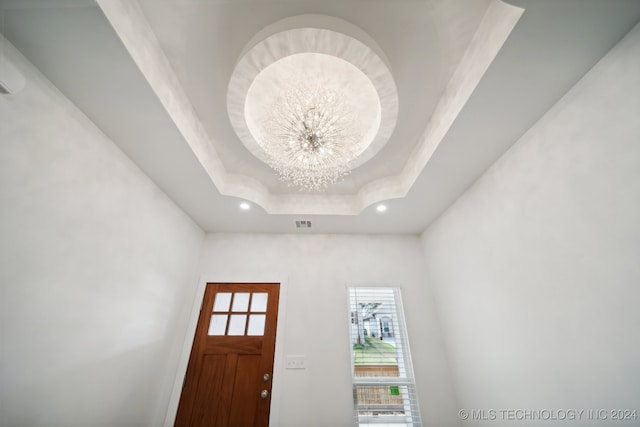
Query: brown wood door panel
[(247, 379), (229, 358), (208, 387), (241, 345)]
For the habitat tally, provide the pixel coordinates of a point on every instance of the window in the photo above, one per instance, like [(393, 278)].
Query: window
[(230, 318), (384, 390)]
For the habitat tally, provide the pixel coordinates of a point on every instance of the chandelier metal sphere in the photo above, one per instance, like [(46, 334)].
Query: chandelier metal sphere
[(310, 137)]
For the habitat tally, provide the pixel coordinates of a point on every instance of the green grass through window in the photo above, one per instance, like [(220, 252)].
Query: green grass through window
[(374, 352)]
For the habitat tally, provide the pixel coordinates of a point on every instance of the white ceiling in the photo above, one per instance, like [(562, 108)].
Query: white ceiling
[(193, 154)]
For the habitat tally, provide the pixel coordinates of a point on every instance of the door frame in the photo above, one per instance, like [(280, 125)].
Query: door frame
[(278, 366)]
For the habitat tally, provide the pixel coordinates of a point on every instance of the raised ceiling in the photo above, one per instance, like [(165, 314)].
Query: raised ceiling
[(471, 77)]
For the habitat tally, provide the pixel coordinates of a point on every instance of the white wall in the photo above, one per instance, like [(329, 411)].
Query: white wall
[(313, 317), (98, 269), (536, 270)]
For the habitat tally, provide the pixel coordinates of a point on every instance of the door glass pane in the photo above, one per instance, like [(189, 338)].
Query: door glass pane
[(259, 302), (218, 324), (223, 299), (240, 301), (236, 324), (256, 325)]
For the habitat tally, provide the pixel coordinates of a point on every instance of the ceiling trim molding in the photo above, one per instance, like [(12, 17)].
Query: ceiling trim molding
[(494, 29), (131, 26)]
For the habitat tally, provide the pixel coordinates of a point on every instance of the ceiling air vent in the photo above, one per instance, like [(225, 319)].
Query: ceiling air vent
[(303, 224)]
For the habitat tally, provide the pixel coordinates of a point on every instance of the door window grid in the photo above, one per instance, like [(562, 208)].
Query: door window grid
[(238, 314)]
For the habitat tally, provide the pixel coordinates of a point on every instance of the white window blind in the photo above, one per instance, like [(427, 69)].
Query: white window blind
[(384, 391)]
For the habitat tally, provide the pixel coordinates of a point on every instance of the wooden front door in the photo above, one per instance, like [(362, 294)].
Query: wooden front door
[(228, 379)]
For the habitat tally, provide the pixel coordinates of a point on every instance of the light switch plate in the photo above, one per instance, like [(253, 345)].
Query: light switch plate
[(295, 362)]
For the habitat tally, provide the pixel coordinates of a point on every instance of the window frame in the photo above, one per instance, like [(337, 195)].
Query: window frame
[(405, 379)]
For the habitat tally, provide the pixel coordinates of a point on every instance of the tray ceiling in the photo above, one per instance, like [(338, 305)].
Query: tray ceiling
[(471, 77)]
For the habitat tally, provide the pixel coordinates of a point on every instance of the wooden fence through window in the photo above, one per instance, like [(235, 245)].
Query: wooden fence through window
[(378, 400)]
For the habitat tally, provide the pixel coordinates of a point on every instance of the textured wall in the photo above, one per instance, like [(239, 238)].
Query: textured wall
[(313, 318), (535, 269), (97, 271)]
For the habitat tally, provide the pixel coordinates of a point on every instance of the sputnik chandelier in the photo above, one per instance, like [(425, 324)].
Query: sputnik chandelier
[(310, 136)]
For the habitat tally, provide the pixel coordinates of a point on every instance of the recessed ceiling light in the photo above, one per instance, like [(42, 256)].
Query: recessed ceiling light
[(381, 208), (245, 206)]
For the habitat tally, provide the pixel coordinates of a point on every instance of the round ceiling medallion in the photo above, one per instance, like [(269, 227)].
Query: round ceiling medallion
[(314, 70), (318, 58)]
